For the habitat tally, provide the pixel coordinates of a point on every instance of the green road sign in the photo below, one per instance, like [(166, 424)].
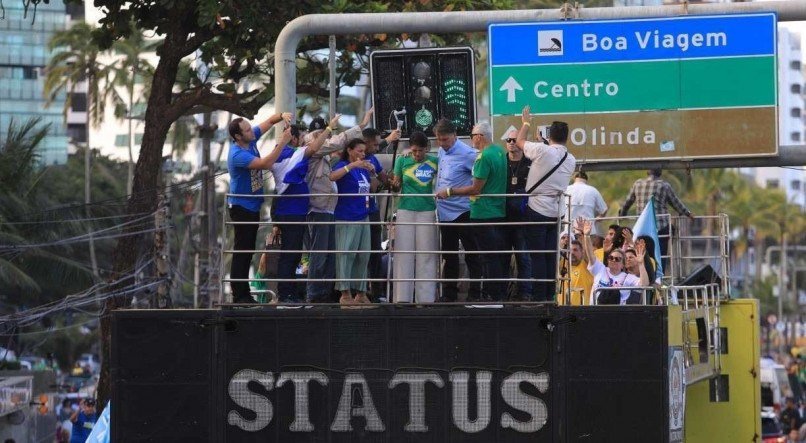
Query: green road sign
[(664, 88)]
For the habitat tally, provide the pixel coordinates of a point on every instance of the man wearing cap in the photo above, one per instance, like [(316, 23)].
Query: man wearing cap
[(246, 168), (290, 213), (321, 230), (83, 421)]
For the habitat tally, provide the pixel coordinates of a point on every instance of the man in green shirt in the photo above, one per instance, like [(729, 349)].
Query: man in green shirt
[(489, 178)]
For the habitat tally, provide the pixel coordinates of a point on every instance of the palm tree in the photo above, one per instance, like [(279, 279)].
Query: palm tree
[(23, 267), (77, 60), (130, 68), (749, 211)]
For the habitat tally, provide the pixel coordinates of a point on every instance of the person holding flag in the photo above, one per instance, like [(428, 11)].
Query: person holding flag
[(646, 229)]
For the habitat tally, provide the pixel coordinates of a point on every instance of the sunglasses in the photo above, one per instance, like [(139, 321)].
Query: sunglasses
[(475, 135), (611, 258), (510, 140)]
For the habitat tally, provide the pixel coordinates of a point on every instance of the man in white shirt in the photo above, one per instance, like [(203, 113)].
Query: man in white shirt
[(551, 166), (586, 201)]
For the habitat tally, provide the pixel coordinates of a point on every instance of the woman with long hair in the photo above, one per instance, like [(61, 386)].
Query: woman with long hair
[(352, 175)]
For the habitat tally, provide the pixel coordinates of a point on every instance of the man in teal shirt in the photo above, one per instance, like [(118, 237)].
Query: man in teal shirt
[(489, 178)]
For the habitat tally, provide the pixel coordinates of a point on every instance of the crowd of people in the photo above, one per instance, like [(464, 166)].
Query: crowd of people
[(475, 206)]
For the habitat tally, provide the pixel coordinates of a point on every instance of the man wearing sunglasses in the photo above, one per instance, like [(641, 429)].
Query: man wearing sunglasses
[(518, 167)]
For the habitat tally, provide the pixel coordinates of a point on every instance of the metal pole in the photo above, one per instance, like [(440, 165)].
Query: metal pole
[(331, 62), (204, 226), (782, 280), (214, 251), (88, 211)]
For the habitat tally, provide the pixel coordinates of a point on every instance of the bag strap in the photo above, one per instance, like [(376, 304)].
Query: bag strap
[(548, 174)]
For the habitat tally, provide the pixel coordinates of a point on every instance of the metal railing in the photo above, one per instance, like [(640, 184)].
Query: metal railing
[(678, 257), (562, 226)]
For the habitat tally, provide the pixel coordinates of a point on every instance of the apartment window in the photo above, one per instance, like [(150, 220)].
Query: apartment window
[(122, 140), (79, 102), (772, 183), (795, 185), (795, 64), (77, 132), (796, 88), (795, 112), (795, 136)]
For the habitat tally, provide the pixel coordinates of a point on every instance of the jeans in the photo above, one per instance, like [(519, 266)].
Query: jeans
[(516, 240), (288, 262), (494, 265), (321, 264), (245, 237), (544, 264), (351, 267), (451, 235)]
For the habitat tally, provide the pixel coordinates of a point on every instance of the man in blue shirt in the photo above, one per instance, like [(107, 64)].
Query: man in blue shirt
[(83, 421), (290, 213), (246, 167), (455, 170)]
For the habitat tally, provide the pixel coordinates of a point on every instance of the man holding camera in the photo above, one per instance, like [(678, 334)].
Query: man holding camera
[(552, 166)]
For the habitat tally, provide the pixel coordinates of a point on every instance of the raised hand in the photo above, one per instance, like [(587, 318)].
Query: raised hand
[(285, 138), (335, 121), (587, 226), (525, 115), (367, 117), (607, 245), (640, 251), (287, 116)]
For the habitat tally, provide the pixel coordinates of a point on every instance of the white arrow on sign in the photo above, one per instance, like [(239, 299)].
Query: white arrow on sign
[(511, 86)]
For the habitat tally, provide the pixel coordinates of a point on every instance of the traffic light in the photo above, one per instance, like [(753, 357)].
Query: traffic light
[(414, 88)]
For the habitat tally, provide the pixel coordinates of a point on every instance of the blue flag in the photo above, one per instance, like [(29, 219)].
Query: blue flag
[(100, 432), (647, 225)]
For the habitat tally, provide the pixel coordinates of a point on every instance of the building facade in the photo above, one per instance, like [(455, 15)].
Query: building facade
[(23, 56)]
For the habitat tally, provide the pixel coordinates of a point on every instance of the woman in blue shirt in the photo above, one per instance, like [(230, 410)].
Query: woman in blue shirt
[(352, 176)]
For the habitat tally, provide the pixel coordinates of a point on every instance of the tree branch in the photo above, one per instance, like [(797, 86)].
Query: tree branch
[(201, 36), (246, 104)]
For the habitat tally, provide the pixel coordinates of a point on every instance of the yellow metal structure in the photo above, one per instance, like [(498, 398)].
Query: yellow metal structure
[(734, 418)]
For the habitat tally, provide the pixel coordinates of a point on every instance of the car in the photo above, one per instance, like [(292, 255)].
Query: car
[(775, 387), (89, 361), (74, 383), (771, 431), (7, 354)]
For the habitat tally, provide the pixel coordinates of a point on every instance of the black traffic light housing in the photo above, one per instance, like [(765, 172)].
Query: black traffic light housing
[(414, 88)]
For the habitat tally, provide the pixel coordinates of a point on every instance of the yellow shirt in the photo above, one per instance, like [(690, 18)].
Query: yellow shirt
[(599, 253), (581, 283)]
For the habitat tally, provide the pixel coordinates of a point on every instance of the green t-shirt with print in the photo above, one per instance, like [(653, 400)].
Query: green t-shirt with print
[(491, 166), (417, 178)]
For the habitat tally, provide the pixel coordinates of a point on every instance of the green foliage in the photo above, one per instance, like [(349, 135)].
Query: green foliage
[(42, 205)]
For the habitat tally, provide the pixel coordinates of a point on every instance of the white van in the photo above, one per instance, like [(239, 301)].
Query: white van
[(775, 387)]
